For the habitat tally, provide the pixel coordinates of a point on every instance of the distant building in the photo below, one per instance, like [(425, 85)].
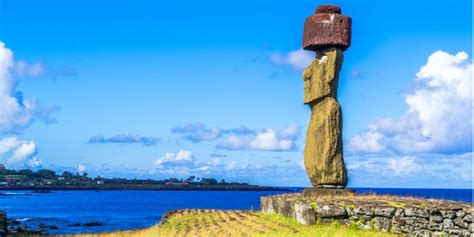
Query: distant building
[(100, 182), (61, 178)]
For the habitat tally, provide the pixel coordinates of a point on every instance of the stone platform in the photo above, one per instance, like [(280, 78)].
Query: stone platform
[(404, 215), (318, 192)]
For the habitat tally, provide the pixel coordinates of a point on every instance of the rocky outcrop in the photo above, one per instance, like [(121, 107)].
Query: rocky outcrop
[(3, 223), (415, 217), (323, 149)]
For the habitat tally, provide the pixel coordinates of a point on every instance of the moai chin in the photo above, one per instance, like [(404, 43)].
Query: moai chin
[(328, 33)]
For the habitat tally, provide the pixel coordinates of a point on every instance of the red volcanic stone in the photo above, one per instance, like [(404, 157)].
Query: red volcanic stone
[(328, 9), (327, 28)]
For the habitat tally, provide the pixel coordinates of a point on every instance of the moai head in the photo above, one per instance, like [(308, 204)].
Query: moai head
[(327, 28)]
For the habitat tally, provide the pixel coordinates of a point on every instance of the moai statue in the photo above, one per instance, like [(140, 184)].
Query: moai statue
[(328, 33)]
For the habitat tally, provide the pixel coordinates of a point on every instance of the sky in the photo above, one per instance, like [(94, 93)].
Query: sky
[(159, 89)]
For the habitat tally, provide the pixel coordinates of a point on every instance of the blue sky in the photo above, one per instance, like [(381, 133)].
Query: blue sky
[(213, 88)]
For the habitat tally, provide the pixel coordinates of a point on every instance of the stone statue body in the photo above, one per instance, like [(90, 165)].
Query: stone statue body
[(328, 33), (323, 157)]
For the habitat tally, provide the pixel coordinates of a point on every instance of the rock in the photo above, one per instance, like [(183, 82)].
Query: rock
[(409, 211), (460, 213), (459, 222), (436, 218), (382, 223), (363, 210), (304, 214), (399, 212), (330, 211), (93, 223), (468, 218), (384, 211), (435, 226), (448, 214), (447, 224)]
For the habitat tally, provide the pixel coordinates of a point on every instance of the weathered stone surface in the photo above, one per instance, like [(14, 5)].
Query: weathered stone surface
[(468, 218), (3, 223), (448, 213), (323, 149), (384, 211), (459, 222), (436, 218), (382, 223), (318, 192), (367, 213), (328, 9), (364, 210), (327, 28), (448, 224), (416, 212), (304, 214), (322, 75), (330, 211)]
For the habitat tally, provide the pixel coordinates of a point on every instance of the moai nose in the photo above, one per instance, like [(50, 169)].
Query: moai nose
[(327, 28)]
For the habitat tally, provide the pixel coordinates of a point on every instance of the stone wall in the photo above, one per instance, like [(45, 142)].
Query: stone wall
[(3, 223), (412, 216)]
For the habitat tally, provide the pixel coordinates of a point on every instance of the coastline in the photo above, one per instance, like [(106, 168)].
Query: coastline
[(147, 187)]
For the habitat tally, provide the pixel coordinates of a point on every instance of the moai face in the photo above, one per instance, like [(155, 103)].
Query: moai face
[(321, 77), (327, 28)]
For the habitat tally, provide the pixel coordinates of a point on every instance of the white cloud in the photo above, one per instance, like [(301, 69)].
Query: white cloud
[(297, 59), (183, 157), (425, 170), (81, 168), (438, 118), (403, 166), (16, 112), (266, 140), (23, 69), (19, 153), (125, 139)]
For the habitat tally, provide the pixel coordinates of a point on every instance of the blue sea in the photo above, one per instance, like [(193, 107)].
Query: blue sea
[(132, 209)]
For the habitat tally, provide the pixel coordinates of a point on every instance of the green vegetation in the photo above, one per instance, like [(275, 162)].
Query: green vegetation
[(49, 179), (242, 223), (396, 204)]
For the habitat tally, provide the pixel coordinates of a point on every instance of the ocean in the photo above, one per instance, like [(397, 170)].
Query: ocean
[(132, 209)]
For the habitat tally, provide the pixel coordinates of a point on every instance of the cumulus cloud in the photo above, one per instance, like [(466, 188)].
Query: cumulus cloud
[(183, 157), (438, 119), (266, 140), (183, 164), (198, 132), (23, 69), (420, 170), (297, 59), (17, 112), (19, 153), (125, 139)]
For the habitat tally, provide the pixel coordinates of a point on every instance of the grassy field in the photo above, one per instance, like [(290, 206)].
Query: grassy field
[(197, 222)]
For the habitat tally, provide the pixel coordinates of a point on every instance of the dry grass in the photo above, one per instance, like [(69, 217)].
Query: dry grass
[(238, 223)]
